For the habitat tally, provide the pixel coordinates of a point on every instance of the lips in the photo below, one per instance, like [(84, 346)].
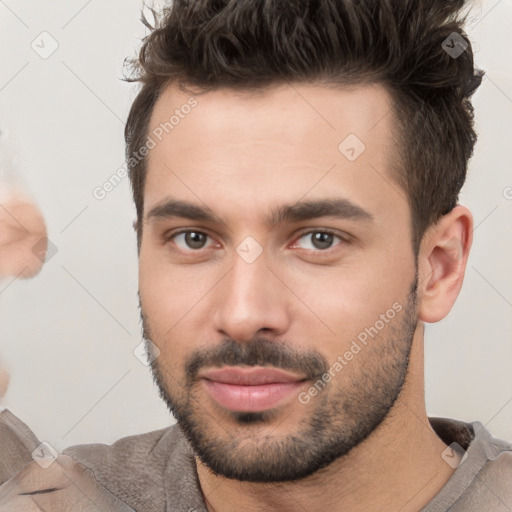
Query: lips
[(249, 376), (250, 389)]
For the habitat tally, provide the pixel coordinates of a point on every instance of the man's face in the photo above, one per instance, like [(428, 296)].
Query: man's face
[(325, 294)]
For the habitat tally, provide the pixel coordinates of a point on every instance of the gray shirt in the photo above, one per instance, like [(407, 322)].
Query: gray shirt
[(156, 471)]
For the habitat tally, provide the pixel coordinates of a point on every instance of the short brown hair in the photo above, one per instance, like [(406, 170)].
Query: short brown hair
[(402, 44)]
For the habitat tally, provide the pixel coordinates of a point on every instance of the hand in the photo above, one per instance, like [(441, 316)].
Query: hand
[(23, 239), (64, 486)]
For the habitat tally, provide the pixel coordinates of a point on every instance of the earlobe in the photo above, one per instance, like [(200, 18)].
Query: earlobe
[(442, 263)]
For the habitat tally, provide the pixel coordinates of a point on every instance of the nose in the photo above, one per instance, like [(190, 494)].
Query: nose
[(251, 300)]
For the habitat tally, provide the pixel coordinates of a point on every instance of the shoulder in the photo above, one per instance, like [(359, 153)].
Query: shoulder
[(139, 469), (133, 451), (483, 469), (487, 486), (17, 442), (497, 470), (145, 471)]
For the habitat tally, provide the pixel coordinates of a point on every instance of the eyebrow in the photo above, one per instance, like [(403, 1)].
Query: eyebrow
[(304, 210)]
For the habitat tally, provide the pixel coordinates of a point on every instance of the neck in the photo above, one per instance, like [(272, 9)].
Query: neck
[(398, 467)]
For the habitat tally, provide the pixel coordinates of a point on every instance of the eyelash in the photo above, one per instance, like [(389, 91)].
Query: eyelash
[(343, 240)]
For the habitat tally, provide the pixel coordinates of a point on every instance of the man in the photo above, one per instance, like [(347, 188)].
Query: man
[(296, 169)]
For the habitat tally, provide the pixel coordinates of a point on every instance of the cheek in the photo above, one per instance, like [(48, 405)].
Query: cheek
[(173, 300), (169, 291), (340, 303)]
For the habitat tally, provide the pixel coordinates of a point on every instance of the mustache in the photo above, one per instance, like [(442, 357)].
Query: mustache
[(257, 352)]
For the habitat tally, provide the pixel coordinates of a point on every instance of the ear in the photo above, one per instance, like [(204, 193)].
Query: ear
[(23, 241), (442, 260)]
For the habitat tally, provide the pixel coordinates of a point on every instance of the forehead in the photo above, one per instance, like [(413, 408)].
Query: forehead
[(287, 112), (275, 144)]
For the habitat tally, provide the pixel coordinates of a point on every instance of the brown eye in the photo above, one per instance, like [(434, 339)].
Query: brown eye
[(318, 240), (322, 240), (187, 240)]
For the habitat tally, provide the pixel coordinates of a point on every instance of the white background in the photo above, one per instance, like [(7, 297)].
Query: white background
[(67, 336)]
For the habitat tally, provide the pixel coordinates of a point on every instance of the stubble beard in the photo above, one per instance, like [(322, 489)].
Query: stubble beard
[(337, 420)]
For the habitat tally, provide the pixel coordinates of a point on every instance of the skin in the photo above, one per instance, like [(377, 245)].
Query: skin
[(72, 485), (21, 227), (244, 155)]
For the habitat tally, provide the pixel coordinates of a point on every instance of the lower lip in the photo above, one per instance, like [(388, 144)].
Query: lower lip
[(251, 398)]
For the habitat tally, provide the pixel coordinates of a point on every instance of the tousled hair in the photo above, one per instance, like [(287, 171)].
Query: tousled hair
[(251, 45)]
